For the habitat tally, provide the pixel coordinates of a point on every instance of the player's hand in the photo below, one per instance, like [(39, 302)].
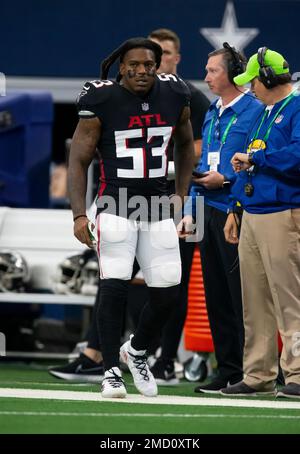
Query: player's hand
[(240, 162), (212, 180), (81, 231), (231, 229), (186, 227)]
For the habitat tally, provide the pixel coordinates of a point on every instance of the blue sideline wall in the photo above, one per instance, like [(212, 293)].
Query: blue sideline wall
[(69, 38)]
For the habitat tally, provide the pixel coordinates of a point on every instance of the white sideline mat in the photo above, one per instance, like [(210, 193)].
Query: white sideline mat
[(139, 399)]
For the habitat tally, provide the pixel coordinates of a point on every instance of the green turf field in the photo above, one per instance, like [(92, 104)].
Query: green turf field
[(62, 416)]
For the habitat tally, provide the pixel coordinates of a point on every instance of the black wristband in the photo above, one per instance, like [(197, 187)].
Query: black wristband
[(237, 209), (80, 216), (250, 159)]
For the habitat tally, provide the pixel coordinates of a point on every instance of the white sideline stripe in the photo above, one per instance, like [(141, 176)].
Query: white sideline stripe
[(139, 399), (144, 415), (49, 384)]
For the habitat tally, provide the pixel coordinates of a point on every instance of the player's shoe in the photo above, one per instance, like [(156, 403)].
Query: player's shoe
[(164, 373), (113, 384), (137, 364), (83, 370)]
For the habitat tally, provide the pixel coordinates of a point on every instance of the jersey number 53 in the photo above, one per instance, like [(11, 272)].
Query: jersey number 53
[(138, 155)]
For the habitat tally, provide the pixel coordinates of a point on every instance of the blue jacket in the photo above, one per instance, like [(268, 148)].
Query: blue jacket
[(276, 179), (247, 110)]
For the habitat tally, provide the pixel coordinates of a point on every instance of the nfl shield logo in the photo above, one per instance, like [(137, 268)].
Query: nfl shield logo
[(145, 106), (279, 119)]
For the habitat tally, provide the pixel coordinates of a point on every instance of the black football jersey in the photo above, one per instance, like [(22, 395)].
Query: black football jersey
[(135, 133)]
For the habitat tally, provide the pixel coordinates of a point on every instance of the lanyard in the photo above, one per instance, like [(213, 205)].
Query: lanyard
[(224, 136), (251, 171), (267, 134)]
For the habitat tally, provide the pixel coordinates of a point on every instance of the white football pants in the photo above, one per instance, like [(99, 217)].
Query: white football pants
[(155, 245)]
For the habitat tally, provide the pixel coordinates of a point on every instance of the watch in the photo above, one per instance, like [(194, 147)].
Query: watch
[(226, 181)]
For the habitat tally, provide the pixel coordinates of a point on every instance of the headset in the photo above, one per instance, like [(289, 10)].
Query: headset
[(236, 65), (267, 74)]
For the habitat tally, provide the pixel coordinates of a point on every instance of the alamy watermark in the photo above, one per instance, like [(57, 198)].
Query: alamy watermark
[(2, 344), (2, 84), (149, 211)]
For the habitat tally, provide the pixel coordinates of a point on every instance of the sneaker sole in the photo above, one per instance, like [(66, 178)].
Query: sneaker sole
[(288, 396), (205, 391), (77, 378), (255, 394), (114, 396)]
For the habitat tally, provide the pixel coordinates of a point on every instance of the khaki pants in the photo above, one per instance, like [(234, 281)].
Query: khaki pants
[(269, 252)]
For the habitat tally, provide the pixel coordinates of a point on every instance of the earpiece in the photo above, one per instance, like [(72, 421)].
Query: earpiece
[(267, 74), (236, 65)]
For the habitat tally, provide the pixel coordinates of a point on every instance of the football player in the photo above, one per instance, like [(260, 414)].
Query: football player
[(131, 121)]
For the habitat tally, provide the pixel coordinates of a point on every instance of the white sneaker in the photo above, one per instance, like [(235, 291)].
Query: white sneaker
[(137, 363), (113, 384)]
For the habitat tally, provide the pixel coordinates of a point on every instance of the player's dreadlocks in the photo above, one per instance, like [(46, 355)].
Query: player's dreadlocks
[(132, 43)]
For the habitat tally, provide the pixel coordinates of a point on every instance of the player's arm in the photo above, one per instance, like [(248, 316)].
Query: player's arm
[(83, 149), (183, 153), (199, 106), (197, 150)]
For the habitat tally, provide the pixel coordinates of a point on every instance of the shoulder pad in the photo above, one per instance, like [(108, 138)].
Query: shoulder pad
[(176, 83), (95, 92)]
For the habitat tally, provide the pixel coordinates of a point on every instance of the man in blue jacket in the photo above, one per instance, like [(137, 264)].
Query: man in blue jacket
[(225, 130), (268, 188)]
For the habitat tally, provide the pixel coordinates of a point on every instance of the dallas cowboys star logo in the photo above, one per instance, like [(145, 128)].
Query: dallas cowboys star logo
[(229, 31)]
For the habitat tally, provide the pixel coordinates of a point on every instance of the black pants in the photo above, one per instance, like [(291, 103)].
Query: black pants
[(92, 336), (223, 295), (172, 331), (110, 316), (170, 336)]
